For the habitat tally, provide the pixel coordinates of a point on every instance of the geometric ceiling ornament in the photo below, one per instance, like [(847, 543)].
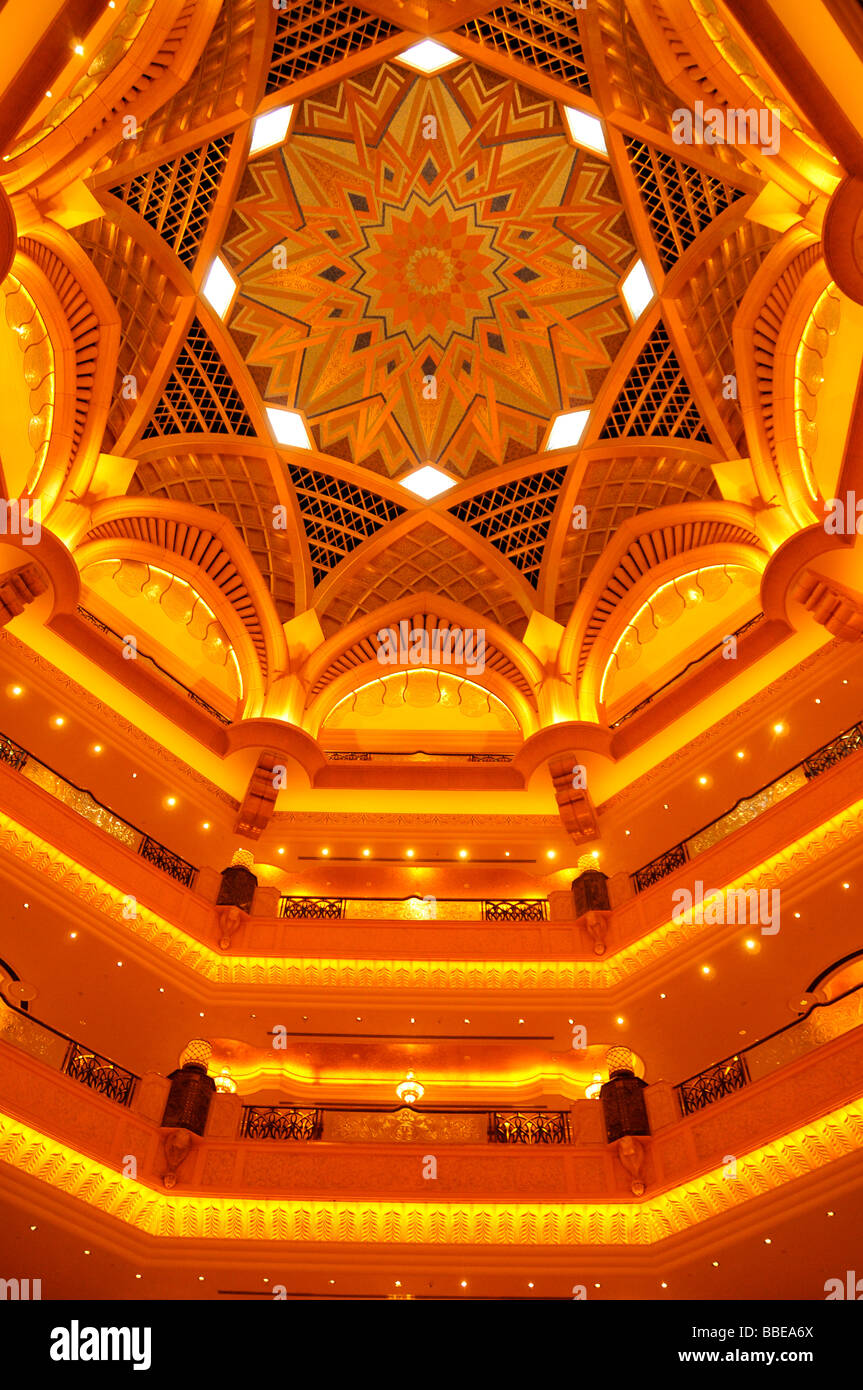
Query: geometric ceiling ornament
[(541, 33), (199, 396), (680, 199), (337, 516), (310, 37), (655, 399), (427, 269), (516, 517), (175, 199)]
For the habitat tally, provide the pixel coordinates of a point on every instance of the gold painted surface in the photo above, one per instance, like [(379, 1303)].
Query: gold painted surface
[(412, 910), (747, 811), (822, 1026), (404, 1126), (81, 802), (30, 1036)]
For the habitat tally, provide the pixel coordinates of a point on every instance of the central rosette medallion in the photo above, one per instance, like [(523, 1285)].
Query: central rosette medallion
[(429, 270)]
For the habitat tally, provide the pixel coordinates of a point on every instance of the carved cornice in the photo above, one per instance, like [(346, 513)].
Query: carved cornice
[(312, 1220)]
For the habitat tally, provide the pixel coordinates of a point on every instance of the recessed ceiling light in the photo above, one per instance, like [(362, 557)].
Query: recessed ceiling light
[(366, 853), (281, 849), (325, 852), (567, 429), (846, 885), (702, 781), (59, 721), (427, 482), (17, 690), (464, 1283), (551, 854), (741, 754), (586, 130), (270, 129), (219, 287), (637, 289), (705, 969), (79, 49), (779, 728), (410, 853), (619, 1021), (462, 854), (206, 825), (97, 747), (288, 427), (428, 56)]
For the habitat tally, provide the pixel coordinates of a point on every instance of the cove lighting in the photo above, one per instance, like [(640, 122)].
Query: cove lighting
[(567, 429), (427, 482), (637, 289), (219, 287), (288, 427), (585, 130), (270, 129), (428, 56)]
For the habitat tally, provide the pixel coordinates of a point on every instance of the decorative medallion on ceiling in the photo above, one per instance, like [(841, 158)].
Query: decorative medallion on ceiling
[(410, 275)]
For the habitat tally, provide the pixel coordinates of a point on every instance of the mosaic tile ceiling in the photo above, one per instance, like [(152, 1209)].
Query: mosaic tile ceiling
[(428, 227), (410, 278)]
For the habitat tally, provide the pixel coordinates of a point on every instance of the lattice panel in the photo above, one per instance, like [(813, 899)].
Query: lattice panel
[(541, 33), (216, 86), (709, 302), (337, 516), (311, 36), (241, 490), (655, 398), (516, 518), (199, 547), (146, 301), (612, 491), (425, 559), (680, 200), (638, 88), (649, 550), (200, 396), (176, 198)]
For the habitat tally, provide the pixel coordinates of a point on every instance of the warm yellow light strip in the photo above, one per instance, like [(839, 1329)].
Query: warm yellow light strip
[(300, 973), (311, 1220)]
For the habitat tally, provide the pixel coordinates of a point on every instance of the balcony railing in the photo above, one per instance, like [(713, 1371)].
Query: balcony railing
[(86, 805), (142, 656), (415, 909), (280, 1122), (356, 755), (655, 694), (528, 1127), (749, 807), (820, 1024), (713, 1084), (99, 1074)]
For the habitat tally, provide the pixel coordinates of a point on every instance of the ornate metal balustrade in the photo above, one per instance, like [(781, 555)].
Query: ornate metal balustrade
[(83, 803), (11, 754), (528, 1127), (164, 859), (196, 699), (748, 808), (329, 909), (722, 1079), (643, 704), (99, 1074), (833, 753), (658, 868), (516, 910), (281, 1122)]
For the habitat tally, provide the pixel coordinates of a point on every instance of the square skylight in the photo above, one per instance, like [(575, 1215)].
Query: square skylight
[(219, 287), (636, 289), (270, 129), (586, 130), (288, 427), (567, 429), (427, 482), (428, 56)]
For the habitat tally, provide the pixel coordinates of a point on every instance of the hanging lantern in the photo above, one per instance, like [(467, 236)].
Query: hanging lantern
[(410, 1091)]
